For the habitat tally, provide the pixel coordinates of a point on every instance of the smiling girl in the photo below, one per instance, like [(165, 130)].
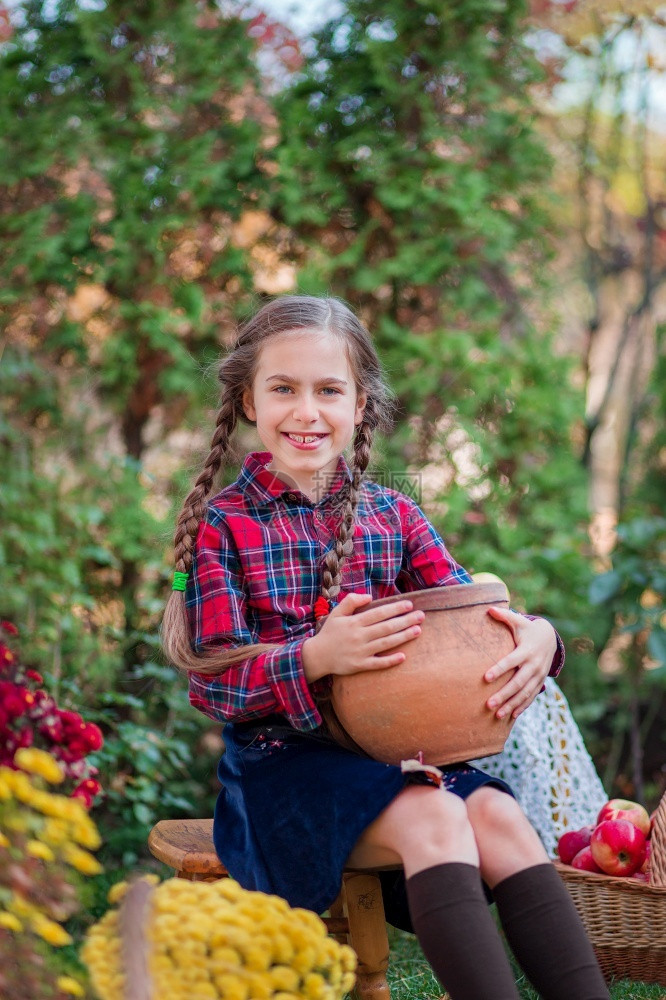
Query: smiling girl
[(273, 575)]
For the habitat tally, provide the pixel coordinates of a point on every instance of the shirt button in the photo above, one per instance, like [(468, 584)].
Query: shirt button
[(290, 496), (318, 516)]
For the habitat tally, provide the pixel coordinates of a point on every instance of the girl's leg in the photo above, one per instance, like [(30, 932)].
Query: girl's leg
[(539, 918), (427, 829)]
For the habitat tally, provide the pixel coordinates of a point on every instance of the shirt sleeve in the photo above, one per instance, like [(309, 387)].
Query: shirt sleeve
[(216, 602), (428, 563), (426, 560)]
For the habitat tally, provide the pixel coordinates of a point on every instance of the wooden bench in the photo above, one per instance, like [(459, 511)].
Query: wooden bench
[(357, 916)]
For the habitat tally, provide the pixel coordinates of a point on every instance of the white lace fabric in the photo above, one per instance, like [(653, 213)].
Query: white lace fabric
[(549, 769)]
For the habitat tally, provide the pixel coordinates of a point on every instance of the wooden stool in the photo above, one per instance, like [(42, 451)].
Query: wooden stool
[(357, 916)]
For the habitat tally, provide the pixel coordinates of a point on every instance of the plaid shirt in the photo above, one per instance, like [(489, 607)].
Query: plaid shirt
[(256, 574)]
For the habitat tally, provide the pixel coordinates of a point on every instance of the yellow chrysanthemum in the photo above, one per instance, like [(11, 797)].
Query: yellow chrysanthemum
[(216, 940), (36, 849), (66, 984), (10, 922), (117, 891), (52, 932), (81, 860), (85, 833), (39, 762)]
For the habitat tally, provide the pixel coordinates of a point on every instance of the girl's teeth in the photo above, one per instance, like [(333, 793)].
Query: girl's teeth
[(304, 440)]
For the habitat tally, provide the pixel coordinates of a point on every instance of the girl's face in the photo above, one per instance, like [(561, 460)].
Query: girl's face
[(305, 405)]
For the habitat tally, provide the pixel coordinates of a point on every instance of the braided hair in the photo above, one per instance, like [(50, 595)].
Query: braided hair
[(237, 371)]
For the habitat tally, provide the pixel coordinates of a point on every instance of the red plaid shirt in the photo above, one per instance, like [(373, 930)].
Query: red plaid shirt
[(257, 573)]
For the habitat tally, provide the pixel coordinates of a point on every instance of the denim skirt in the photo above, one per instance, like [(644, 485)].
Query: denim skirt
[(293, 805)]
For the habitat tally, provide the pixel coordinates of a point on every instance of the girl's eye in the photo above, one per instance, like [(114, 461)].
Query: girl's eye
[(330, 389), (281, 389)]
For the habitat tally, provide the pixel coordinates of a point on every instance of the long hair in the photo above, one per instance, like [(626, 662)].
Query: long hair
[(237, 371)]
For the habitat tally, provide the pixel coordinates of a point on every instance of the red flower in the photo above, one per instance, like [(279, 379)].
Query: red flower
[(30, 716), (16, 700), (44, 706), (24, 737), (92, 736), (86, 791), (6, 656), (72, 721)]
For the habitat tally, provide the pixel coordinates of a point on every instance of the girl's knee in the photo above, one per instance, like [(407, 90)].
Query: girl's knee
[(497, 817), (429, 826)]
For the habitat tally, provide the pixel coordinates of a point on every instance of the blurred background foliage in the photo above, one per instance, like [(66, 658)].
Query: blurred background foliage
[(481, 180)]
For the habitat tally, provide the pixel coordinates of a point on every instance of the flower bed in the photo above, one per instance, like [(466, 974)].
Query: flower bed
[(46, 836)]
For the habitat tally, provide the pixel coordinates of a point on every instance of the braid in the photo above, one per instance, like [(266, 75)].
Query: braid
[(176, 638), (195, 503), (344, 541)]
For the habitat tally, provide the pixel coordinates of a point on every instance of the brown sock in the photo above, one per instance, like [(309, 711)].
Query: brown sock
[(547, 936), (457, 933)]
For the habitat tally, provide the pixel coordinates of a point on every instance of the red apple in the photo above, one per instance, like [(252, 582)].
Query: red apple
[(618, 847), (640, 876), (584, 861), (646, 863), (573, 841), (626, 809)]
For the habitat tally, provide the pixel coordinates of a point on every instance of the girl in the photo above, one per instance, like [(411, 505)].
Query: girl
[(272, 576)]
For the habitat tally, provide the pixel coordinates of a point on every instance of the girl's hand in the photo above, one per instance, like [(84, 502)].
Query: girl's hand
[(536, 644), (351, 642)]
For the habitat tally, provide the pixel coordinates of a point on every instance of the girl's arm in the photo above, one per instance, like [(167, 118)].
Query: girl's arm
[(216, 602)]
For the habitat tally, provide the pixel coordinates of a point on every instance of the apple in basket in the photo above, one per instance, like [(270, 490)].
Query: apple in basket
[(626, 809), (573, 841), (584, 861), (618, 847)]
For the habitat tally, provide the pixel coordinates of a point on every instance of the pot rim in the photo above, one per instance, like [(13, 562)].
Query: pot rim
[(447, 598)]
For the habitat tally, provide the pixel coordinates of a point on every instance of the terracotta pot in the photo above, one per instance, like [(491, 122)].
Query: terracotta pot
[(435, 701)]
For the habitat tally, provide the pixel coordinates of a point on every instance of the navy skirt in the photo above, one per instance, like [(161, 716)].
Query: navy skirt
[(293, 805)]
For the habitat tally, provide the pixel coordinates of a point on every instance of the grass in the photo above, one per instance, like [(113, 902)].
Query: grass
[(410, 978)]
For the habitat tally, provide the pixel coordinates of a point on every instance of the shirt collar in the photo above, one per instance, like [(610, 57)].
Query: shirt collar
[(257, 480)]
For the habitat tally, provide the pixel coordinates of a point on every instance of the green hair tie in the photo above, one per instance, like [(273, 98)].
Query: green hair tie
[(179, 581)]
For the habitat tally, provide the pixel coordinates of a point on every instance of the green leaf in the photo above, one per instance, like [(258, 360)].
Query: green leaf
[(604, 587), (656, 645)]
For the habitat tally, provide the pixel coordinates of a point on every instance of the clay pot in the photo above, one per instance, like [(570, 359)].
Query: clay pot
[(435, 701)]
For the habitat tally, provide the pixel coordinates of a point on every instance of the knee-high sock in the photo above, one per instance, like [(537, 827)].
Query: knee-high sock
[(457, 933), (547, 936)]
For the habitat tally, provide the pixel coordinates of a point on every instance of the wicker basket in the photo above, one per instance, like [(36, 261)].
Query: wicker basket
[(626, 919)]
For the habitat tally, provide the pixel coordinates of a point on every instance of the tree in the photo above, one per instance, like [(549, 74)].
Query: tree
[(411, 167), (134, 146)]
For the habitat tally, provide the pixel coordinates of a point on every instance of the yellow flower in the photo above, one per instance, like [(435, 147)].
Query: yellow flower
[(10, 922), (315, 986), (36, 849), (117, 891), (284, 978), (18, 784), (41, 763), (54, 832), (68, 985), (85, 833), (4, 842), (238, 945), (52, 932), (81, 860), (348, 958)]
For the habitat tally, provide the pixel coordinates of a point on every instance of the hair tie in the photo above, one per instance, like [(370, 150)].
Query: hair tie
[(322, 607), (179, 581)]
